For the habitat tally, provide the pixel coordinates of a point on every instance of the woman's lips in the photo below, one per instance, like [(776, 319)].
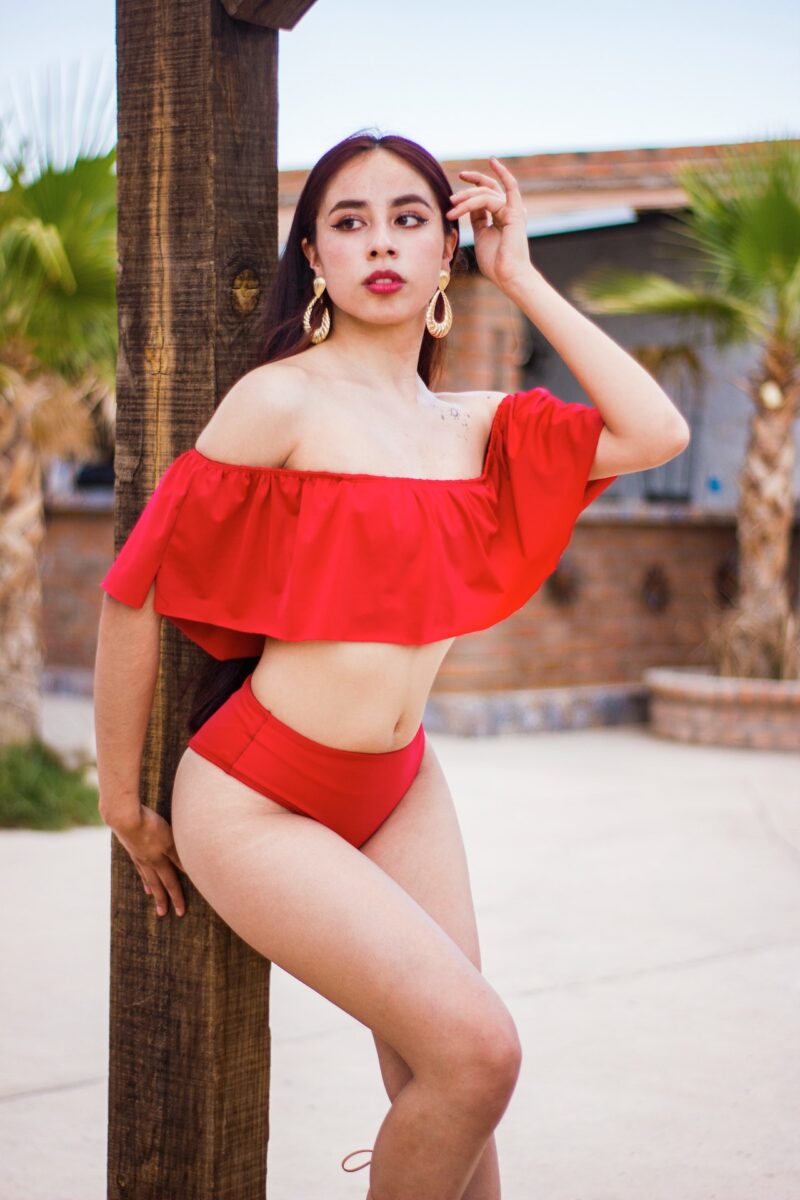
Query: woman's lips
[(384, 286)]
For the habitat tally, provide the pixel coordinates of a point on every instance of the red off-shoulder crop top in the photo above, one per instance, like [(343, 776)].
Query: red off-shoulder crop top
[(239, 553)]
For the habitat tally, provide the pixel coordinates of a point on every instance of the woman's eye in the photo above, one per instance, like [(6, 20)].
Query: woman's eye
[(422, 221)]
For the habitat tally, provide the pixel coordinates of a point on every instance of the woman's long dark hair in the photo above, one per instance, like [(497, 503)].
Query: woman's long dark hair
[(285, 336)]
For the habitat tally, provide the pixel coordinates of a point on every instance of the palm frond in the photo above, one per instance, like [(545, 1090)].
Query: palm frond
[(58, 255), (613, 290), (742, 231), (744, 219), (27, 244)]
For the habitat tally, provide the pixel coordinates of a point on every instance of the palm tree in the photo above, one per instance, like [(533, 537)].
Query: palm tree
[(743, 227), (58, 335)]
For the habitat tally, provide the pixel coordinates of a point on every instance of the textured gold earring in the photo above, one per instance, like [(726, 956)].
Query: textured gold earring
[(318, 335), (439, 329)]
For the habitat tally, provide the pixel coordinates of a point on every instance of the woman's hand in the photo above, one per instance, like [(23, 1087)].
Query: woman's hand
[(149, 842), (502, 247)]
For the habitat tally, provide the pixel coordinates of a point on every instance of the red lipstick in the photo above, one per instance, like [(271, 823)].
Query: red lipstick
[(384, 282)]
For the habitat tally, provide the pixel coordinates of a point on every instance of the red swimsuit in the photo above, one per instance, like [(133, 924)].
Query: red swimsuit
[(239, 553)]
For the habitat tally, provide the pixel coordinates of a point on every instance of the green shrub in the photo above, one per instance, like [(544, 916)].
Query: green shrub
[(39, 791)]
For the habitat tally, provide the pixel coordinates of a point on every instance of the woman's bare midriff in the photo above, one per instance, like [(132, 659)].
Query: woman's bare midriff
[(352, 695)]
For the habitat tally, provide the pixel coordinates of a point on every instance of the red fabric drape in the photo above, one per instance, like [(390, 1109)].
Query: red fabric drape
[(239, 552)]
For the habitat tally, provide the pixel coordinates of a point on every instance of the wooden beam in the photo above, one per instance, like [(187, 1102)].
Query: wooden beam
[(275, 14), (197, 187)]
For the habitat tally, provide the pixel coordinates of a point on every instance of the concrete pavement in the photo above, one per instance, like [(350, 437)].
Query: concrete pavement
[(639, 909)]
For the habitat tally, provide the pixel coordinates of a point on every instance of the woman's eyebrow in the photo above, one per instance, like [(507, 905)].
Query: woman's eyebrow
[(410, 198)]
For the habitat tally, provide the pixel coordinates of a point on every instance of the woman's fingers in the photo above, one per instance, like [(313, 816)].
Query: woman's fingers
[(157, 890), (471, 202), (509, 180), (478, 189), (507, 186), (487, 190), (480, 197), (154, 855), (488, 181), (485, 196), (172, 884), (163, 883)]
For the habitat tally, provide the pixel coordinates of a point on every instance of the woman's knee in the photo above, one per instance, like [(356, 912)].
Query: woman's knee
[(481, 1062), (492, 1073)]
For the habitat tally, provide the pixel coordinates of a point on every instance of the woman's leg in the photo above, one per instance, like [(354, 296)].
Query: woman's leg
[(420, 846), (306, 899)]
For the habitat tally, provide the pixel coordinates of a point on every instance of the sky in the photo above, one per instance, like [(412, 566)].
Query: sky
[(476, 78)]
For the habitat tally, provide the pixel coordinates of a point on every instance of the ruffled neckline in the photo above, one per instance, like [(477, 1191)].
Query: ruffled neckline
[(309, 472)]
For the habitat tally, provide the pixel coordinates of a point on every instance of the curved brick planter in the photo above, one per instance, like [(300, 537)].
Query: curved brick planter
[(697, 705)]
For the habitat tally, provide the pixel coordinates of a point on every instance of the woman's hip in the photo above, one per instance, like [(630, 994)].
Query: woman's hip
[(351, 791)]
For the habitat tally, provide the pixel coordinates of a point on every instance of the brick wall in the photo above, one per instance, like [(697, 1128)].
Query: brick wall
[(629, 592), (484, 340), (77, 550)]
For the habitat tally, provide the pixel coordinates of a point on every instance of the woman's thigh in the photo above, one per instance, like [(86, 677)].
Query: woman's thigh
[(420, 846), (324, 911)]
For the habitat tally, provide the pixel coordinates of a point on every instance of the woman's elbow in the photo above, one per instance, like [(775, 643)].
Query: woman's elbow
[(683, 435)]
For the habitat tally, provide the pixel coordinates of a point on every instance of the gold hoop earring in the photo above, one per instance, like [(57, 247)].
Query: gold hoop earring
[(439, 329), (317, 335)]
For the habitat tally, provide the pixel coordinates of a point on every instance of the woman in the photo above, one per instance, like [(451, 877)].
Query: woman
[(340, 523)]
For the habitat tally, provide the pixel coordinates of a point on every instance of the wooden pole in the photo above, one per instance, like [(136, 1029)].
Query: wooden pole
[(197, 205)]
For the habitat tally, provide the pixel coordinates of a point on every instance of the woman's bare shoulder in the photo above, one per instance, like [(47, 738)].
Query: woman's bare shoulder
[(256, 421), (481, 402)]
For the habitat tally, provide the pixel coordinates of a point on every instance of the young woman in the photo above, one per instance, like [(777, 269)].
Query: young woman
[(335, 527)]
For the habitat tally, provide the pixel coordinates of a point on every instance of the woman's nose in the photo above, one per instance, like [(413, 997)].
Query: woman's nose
[(382, 243)]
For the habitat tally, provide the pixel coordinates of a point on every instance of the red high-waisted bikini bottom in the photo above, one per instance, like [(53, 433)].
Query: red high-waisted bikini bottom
[(350, 791)]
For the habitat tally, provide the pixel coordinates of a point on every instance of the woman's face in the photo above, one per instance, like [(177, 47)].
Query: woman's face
[(379, 213)]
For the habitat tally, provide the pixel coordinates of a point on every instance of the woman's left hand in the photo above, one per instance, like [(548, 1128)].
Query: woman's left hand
[(502, 247)]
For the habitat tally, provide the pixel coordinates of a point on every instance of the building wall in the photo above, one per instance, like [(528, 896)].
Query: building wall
[(77, 550), (707, 472), (632, 590)]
